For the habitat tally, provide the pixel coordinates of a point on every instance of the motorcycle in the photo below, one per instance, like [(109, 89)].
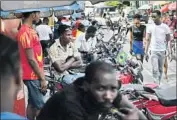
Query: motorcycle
[(155, 102)]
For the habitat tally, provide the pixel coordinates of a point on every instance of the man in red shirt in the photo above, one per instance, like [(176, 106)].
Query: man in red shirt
[(32, 63)]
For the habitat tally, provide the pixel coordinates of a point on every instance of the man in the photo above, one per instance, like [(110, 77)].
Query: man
[(78, 31), (10, 77), (56, 27), (89, 97), (158, 36), (137, 36), (45, 33), (65, 56), (32, 63), (86, 43)]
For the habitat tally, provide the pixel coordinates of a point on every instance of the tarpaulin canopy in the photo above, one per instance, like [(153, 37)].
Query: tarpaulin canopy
[(15, 5), (172, 6), (45, 12)]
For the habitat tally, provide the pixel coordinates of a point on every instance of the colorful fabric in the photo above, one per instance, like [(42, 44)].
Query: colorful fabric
[(28, 38), (122, 58)]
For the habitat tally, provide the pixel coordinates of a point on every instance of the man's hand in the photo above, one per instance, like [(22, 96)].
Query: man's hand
[(43, 85), (128, 114), (20, 94), (146, 57)]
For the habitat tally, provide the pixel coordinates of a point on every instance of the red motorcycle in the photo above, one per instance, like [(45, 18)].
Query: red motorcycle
[(131, 73), (155, 102)]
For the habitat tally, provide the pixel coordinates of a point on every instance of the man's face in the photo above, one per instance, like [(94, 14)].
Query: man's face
[(67, 36), (155, 17), (36, 17), (104, 89)]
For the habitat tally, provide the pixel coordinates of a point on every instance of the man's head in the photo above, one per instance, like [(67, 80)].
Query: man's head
[(46, 21), (65, 33), (136, 20), (102, 83), (81, 27), (94, 22), (91, 31), (33, 16), (156, 16), (10, 72)]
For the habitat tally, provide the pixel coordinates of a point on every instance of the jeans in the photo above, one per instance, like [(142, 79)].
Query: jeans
[(70, 78), (157, 61), (35, 97)]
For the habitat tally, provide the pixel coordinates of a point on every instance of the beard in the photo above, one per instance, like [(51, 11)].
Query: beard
[(103, 106)]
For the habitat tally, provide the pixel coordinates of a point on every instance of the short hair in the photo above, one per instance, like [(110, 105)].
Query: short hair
[(96, 67), (91, 29), (94, 22), (39, 22), (27, 14), (157, 12), (137, 16), (80, 26), (9, 59), (45, 19), (63, 28)]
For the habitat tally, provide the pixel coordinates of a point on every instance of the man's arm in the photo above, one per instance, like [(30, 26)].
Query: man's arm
[(77, 63), (168, 39), (131, 38), (33, 63), (125, 103), (61, 67), (144, 38), (148, 41)]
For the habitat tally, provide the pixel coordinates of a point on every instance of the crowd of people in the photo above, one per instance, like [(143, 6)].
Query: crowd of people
[(86, 96)]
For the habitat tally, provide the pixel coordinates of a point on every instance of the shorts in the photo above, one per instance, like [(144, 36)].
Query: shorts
[(138, 47), (35, 97)]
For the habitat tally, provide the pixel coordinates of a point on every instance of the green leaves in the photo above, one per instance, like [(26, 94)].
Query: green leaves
[(112, 3)]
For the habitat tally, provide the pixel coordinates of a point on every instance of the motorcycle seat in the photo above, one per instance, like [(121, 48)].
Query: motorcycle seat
[(167, 97), (137, 87)]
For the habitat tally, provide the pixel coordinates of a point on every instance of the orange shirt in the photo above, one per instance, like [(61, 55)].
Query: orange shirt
[(28, 38)]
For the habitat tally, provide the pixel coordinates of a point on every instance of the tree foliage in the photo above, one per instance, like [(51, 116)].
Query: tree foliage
[(112, 3)]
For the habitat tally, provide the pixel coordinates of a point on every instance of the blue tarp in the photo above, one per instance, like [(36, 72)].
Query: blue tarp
[(78, 5)]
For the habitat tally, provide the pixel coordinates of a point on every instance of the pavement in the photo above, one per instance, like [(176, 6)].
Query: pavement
[(147, 70)]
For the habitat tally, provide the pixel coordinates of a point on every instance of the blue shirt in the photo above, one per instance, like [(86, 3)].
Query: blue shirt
[(11, 116)]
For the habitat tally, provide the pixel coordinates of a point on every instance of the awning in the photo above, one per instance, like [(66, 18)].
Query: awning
[(164, 8), (45, 12), (15, 5), (172, 6)]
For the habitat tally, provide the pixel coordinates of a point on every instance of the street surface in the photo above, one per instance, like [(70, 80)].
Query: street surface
[(147, 69)]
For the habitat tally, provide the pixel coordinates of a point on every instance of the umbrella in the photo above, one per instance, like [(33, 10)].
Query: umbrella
[(164, 8), (172, 6), (145, 7)]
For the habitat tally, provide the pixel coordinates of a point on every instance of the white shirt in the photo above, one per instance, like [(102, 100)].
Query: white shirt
[(158, 36), (84, 45), (44, 31)]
